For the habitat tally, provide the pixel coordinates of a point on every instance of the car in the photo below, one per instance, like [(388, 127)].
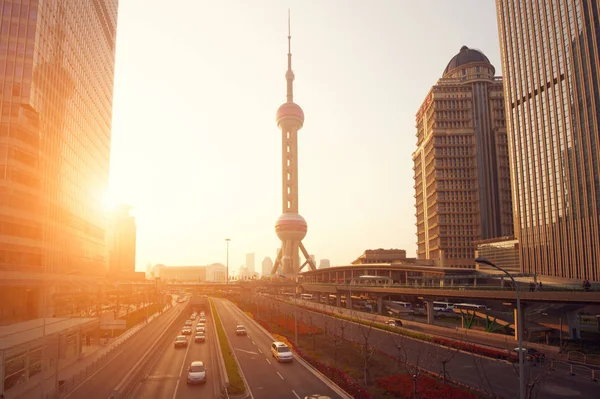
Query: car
[(394, 323), (202, 314), (181, 340), (202, 319), (186, 331), (240, 330), (281, 352), (201, 329), (193, 317), (196, 373), (188, 323), (317, 396), (528, 354), (200, 337)]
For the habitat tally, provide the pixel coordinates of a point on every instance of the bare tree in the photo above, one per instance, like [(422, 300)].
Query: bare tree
[(416, 365), (367, 350)]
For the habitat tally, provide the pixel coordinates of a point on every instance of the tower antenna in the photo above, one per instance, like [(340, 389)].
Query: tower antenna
[(289, 75)]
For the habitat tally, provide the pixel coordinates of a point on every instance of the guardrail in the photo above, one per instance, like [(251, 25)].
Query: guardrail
[(581, 357), (574, 370), (67, 385), (461, 287)]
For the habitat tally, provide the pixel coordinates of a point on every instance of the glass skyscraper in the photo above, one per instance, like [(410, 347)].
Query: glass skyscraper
[(57, 60), (551, 83)]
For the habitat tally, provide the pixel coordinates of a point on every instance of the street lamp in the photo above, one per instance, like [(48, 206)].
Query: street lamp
[(228, 240), (519, 323)]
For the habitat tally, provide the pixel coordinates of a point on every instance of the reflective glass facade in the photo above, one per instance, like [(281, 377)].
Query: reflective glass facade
[(57, 62), (550, 66)]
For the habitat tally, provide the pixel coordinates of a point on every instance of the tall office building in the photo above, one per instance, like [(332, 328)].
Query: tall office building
[(550, 65), (324, 263), (121, 235), (57, 63), (267, 266), (461, 168), (250, 263)]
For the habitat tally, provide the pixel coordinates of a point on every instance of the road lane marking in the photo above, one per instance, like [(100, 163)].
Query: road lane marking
[(280, 376), (294, 392), (268, 361), (243, 350), (181, 370), (260, 350), (253, 343)]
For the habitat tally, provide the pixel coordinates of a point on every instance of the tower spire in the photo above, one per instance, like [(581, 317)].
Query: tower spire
[(289, 75)]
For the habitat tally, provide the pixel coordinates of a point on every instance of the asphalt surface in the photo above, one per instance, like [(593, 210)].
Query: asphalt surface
[(102, 384), (267, 379), (167, 378), (492, 376)]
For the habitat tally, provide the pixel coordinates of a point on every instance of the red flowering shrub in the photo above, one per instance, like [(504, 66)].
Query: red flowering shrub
[(402, 385)]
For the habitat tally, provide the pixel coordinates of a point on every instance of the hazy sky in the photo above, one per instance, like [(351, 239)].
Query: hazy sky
[(195, 146)]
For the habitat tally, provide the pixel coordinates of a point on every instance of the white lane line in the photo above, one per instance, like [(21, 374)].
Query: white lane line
[(259, 350), (268, 361), (181, 369), (280, 376), (253, 343), (294, 392)]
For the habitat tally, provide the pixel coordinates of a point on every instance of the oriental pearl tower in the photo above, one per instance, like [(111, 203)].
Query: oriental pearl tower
[(290, 226)]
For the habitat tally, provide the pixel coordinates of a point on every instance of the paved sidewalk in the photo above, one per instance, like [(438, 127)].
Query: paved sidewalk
[(87, 362)]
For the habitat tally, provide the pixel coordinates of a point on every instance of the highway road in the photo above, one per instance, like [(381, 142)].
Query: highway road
[(167, 378), (102, 384), (490, 375), (266, 377)]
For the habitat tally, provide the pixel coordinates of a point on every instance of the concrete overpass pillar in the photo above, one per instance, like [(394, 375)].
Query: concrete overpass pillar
[(573, 323), (380, 305), (349, 301), (430, 312), (338, 299)]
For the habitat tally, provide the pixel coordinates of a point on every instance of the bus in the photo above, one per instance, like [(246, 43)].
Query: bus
[(407, 305), (370, 280), (471, 306), (307, 297), (441, 306)]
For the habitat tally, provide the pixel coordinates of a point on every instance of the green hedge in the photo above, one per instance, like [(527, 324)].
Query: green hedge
[(236, 384)]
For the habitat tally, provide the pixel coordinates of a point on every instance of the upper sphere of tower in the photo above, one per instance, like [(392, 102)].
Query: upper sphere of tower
[(290, 112), (466, 56)]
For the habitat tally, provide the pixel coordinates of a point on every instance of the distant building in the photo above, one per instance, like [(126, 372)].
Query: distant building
[(216, 272), (181, 273), (267, 266), (380, 256), (503, 251), (461, 165), (250, 263), (324, 263), (121, 239)]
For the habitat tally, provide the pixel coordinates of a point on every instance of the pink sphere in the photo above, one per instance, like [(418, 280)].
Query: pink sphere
[(290, 112), (291, 226)]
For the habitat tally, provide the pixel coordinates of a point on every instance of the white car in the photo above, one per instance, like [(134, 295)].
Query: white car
[(196, 373), (281, 352)]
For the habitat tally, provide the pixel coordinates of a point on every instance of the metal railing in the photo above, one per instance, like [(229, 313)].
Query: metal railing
[(67, 385), (584, 358)]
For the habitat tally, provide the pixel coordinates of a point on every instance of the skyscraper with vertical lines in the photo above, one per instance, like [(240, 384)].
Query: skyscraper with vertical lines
[(57, 61), (461, 169), (551, 75)]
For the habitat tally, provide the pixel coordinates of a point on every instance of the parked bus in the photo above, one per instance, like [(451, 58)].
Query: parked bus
[(407, 305), (307, 297), (470, 306), (442, 306)]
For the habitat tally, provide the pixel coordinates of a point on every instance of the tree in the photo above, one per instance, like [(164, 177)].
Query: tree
[(417, 366), (366, 349)]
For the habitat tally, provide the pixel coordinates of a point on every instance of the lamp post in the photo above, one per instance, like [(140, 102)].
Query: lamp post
[(519, 324), (228, 240)]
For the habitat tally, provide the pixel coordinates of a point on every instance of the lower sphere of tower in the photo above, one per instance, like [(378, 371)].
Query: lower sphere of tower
[(291, 227)]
